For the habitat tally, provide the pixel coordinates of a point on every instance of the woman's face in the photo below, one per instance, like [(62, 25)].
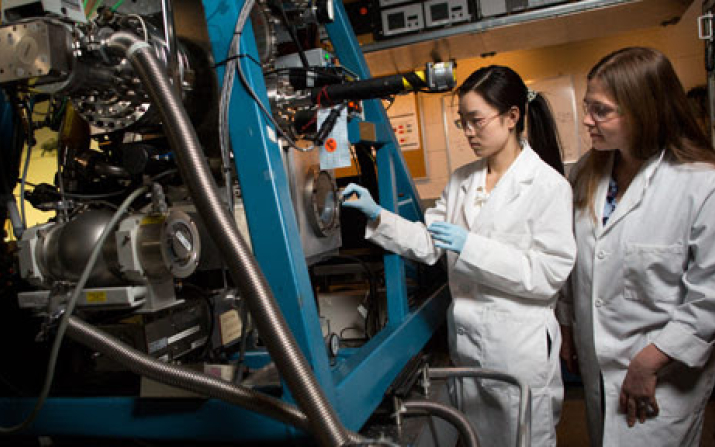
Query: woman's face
[(485, 128), (605, 123)]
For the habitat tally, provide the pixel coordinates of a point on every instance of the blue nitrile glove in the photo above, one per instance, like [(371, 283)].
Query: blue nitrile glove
[(448, 236), (364, 202)]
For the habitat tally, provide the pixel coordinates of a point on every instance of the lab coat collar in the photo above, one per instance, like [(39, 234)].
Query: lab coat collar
[(633, 196), (519, 175)]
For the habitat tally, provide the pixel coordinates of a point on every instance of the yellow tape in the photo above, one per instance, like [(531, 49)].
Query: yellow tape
[(407, 85), (96, 297), (152, 220)]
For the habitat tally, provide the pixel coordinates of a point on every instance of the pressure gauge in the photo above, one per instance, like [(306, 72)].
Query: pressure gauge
[(333, 345)]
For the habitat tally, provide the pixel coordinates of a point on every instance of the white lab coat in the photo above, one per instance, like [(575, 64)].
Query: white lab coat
[(518, 254), (648, 276)]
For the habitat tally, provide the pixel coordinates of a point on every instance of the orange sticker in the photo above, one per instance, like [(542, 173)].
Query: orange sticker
[(331, 145)]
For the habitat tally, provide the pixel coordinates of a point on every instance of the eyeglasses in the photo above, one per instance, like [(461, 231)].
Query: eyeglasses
[(473, 124), (600, 112)]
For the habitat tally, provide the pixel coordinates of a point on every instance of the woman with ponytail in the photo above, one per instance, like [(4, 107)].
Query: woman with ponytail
[(504, 222)]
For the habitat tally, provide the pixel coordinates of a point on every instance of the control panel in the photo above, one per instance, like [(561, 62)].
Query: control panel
[(402, 19), (445, 12)]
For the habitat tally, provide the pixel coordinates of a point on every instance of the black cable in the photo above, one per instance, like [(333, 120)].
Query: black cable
[(81, 196), (367, 152), (242, 349), (318, 70), (373, 310), (352, 328), (238, 56), (390, 102), (60, 174), (328, 124), (372, 292), (263, 108), (292, 33), (30, 140), (212, 326), (164, 174)]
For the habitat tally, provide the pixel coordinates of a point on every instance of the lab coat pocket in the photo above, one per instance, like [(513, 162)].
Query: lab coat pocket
[(653, 272)]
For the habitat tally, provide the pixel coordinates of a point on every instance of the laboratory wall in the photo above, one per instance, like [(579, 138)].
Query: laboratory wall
[(677, 41)]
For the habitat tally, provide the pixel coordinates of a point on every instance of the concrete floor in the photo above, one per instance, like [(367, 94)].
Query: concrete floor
[(571, 431)]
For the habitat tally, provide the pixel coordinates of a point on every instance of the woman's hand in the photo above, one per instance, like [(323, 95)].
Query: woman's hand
[(637, 397), (364, 202), (448, 236), (568, 350)]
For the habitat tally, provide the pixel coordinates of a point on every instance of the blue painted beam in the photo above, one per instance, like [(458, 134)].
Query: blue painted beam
[(348, 51), (126, 417), (395, 284), (363, 378), (264, 184)]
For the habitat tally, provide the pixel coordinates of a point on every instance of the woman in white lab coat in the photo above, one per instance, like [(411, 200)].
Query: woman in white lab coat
[(505, 222), (642, 295)]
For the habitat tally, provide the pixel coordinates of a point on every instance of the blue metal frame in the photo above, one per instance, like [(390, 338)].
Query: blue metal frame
[(351, 385), (266, 193), (277, 247)]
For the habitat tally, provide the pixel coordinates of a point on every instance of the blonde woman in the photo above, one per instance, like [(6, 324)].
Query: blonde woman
[(641, 299)]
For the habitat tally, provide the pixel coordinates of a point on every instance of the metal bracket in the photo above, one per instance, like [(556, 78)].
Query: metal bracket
[(705, 26), (425, 380)]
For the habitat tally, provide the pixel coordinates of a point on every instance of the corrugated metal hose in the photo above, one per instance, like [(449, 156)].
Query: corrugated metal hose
[(282, 346)]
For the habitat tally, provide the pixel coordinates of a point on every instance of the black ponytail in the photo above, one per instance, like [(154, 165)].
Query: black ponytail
[(502, 88), (543, 134)]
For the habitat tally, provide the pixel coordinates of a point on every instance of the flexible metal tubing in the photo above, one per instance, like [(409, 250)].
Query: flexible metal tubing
[(451, 415), (523, 429), (247, 275), (182, 377)]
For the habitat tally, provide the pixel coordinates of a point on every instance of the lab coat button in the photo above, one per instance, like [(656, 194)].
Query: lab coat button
[(460, 331), (601, 254), (599, 302)]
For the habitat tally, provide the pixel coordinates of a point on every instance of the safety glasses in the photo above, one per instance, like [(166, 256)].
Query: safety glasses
[(600, 112), (474, 124)]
